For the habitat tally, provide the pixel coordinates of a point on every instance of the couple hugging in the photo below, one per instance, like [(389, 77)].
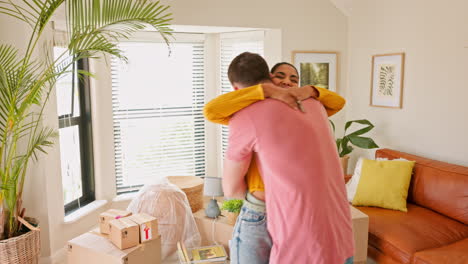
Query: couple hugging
[(282, 160)]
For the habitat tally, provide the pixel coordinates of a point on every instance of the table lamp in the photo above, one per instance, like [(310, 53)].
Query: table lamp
[(213, 188)]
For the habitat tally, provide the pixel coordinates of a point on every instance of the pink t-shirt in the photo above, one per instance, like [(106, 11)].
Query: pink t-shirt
[(309, 218)]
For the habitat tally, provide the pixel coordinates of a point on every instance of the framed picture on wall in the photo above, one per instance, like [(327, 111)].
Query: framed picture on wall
[(387, 80), (317, 68)]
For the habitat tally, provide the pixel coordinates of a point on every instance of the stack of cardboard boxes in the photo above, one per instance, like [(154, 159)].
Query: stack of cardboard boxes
[(121, 238)]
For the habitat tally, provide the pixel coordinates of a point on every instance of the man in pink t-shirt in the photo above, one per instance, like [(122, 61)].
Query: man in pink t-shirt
[(309, 217)]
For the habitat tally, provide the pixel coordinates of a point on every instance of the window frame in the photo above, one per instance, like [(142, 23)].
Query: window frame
[(84, 123)]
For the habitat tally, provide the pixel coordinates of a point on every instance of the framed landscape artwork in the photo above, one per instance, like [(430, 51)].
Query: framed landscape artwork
[(387, 80), (317, 68)]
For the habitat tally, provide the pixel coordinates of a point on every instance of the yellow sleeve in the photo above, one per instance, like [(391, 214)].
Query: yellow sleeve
[(220, 109), (332, 101)]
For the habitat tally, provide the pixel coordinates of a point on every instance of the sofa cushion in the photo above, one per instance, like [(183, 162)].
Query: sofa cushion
[(380, 257), (384, 183), (456, 253), (400, 234), (440, 186)]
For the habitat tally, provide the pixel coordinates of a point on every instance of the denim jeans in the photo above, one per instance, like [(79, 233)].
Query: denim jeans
[(251, 243)]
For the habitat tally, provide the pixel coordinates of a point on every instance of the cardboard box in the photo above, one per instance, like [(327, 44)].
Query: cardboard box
[(124, 233), (93, 248), (148, 226), (109, 215)]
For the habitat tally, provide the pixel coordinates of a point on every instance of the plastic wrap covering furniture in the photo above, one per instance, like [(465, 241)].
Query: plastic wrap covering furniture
[(169, 204)]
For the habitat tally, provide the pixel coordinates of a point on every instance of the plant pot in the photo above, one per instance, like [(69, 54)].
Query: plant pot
[(22, 249), (344, 164), (232, 217)]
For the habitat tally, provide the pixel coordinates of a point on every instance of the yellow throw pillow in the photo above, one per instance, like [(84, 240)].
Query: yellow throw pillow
[(384, 184)]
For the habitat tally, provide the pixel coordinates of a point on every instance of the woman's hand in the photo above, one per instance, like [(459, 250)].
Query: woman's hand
[(304, 92), (281, 94), (290, 96)]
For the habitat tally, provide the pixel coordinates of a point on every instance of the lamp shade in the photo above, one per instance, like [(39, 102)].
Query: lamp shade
[(213, 187)]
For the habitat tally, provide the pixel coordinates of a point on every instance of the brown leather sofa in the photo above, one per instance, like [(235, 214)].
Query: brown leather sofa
[(435, 228)]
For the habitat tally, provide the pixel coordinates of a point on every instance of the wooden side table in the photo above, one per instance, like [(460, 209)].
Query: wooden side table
[(360, 233), (222, 230)]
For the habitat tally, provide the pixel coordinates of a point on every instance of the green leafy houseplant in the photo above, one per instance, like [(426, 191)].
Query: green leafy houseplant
[(233, 205), (355, 138), (233, 208), (93, 28)]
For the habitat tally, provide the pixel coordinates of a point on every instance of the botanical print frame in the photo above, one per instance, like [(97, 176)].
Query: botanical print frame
[(387, 80), (317, 68)]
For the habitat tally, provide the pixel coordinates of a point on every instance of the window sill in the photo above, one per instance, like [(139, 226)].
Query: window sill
[(125, 197), (82, 212)]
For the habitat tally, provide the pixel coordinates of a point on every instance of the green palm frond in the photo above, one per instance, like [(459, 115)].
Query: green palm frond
[(42, 140), (28, 80), (47, 9), (29, 122), (8, 61), (96, 25), (8, 185), (8, 56), (92, 42), (16, 75)]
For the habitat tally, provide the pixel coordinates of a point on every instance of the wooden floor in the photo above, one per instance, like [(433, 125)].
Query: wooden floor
[(173, 260)]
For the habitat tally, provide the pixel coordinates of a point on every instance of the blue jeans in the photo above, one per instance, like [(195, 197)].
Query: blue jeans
[(251, 243), (349, 260)]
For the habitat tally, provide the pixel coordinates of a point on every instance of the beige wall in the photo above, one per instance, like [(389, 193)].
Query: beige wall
[(304, 25), (433, 34)]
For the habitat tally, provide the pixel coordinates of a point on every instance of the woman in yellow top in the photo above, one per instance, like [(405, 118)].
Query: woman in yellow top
[(283, 75)]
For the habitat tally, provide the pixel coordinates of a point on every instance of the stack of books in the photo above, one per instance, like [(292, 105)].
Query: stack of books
[(214, 254)]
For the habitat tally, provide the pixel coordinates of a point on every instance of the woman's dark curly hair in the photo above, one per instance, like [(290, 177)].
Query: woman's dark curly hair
[(283, 63)]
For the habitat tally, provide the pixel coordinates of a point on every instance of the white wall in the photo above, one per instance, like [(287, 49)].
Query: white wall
[(13, 32), (434, 36), (304, 24)]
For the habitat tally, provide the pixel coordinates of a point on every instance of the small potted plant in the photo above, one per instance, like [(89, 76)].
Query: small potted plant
[(355, 138), (233, 208)]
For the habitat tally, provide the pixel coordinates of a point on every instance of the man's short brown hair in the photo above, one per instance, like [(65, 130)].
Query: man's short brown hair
[(248, 69)]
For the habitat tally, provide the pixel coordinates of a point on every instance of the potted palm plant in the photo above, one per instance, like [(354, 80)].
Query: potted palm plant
[(233, 208), (93, 28), (355, 138)]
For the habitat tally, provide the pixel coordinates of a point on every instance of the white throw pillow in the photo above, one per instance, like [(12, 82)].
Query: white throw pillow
[(352, 184)]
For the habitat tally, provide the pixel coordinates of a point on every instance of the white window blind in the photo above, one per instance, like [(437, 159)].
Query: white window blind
[(159, 128), (233, 44)]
